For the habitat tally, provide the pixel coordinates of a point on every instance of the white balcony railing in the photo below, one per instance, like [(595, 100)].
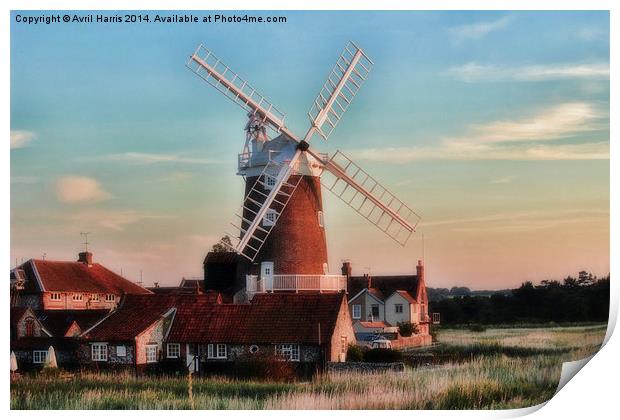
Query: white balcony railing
[(295, 283)]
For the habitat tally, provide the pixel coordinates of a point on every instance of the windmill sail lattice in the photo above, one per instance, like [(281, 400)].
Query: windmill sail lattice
[(369, 198), (343, 82), (210, 68), (253, 223)]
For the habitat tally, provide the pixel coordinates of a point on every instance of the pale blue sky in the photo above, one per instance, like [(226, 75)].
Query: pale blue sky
[(493, 125)]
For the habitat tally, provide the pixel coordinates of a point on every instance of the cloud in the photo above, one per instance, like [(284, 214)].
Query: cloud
[(504, 180), (452, 151), (478, 30), (520, 221), (115, 220), (154, 158), (473, 72), (522, 139), (79, 190), (21, 138), (554, 122), (175, 177)]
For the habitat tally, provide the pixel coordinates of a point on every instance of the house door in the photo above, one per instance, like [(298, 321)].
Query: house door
[(192, 359), (266, 274)]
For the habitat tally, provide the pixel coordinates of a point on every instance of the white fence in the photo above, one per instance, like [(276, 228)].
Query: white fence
[(296, 282)]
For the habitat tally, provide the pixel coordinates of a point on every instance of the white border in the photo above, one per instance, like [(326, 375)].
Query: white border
[(591, 395)]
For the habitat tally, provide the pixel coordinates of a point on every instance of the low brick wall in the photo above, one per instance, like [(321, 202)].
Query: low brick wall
[(362, 367), (413, 341)]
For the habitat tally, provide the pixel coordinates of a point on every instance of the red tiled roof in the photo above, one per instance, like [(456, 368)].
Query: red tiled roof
[(58, 322), (66, 276), (269, 318), (405, 294), (138, 312), (385, 284), (376, 293)]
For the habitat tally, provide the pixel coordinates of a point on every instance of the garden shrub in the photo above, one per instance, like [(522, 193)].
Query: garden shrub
[(406, 329), (355, 353)]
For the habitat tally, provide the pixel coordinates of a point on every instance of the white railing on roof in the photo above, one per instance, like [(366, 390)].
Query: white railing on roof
[(296, 282)]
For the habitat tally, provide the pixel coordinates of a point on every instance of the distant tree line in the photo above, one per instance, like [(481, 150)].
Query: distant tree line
[(581, 299)]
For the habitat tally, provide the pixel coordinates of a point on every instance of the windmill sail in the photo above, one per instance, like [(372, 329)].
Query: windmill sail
[(264, 204), (343, 82), (366, 196), (210, 68)]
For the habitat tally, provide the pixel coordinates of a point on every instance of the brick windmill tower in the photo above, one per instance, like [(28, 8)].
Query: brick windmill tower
[(279, 227)]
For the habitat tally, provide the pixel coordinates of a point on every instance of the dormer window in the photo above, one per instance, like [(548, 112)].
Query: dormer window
[(77, 297)]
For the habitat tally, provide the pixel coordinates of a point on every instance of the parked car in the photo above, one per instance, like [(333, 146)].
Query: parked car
[(381, 343)]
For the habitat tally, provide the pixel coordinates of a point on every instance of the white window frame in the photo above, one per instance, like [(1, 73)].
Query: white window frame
[(77, 297), (288, 352), (344, 344), (99, 352), (270, 217), (121, 353), (321, 219), (150, 351), (398, 308), (173, 350), (217, 351), (55, 296), (110, 297), (356, 311), (39, 356)]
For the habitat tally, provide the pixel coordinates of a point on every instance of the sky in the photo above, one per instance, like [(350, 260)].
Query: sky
[(493, 126)]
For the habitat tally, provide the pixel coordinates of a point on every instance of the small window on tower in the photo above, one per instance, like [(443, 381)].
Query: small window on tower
[(270, 218), (270, 182), (321, 222)]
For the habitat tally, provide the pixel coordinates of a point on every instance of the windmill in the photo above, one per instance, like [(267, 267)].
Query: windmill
[(280, 223)]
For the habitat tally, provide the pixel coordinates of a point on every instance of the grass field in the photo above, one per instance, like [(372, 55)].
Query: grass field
[(498, 368)]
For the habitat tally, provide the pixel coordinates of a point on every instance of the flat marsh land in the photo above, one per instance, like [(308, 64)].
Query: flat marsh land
[(498, 368)]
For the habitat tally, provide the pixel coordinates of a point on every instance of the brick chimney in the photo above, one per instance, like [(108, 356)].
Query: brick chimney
[(368, 280), (86, 258), (419, 269), (346, 268)]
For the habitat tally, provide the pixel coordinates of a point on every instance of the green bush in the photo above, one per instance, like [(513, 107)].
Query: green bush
[(406, 329), (383, 356), (355, 353)]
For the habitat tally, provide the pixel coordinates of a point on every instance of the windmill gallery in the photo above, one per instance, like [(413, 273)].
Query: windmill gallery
[(266, 289)]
